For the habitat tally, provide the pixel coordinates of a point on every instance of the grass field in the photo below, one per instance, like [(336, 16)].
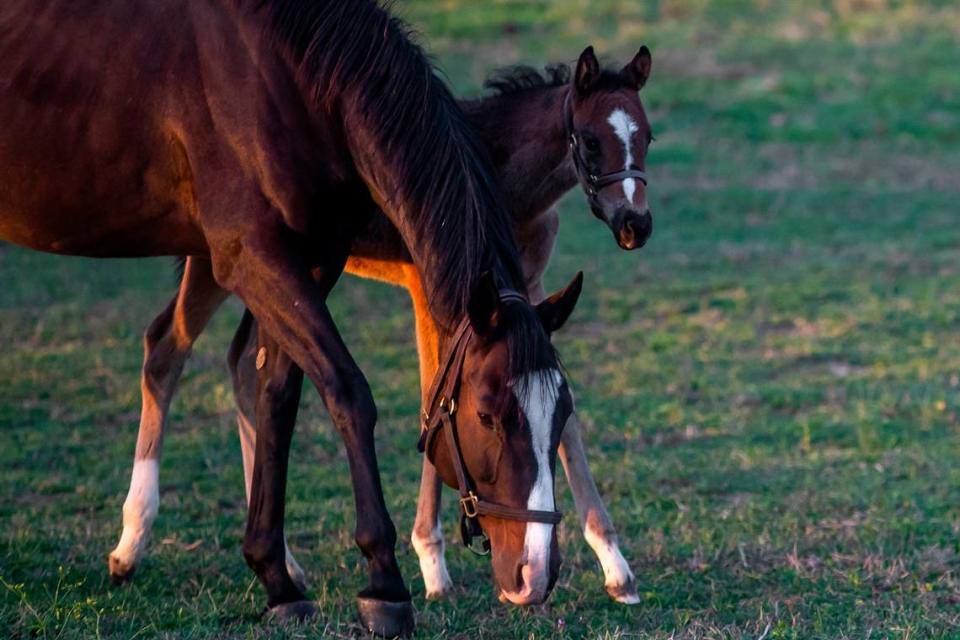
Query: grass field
[(771, 387)]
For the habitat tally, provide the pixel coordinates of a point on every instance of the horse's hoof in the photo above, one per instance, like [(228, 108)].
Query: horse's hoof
[(442, 594), (623, 593), (384, 618), (297, 611), (120, 572)]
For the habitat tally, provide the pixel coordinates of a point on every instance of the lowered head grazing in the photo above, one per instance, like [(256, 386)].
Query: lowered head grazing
[(509, 410)]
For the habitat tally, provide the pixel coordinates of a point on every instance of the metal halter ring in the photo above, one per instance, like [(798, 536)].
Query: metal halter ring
[(450, 404), (469, 503)]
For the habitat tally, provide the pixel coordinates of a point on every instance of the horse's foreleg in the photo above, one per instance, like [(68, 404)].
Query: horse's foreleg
[(598, 529), (242, 361), (427, 535), (291, 309), (167, 344)]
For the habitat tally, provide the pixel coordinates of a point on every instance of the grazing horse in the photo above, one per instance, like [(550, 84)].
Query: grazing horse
[(245, 132), (528, 126)]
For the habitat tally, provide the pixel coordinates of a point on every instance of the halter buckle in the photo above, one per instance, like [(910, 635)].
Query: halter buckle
[(449, 404), (469, 505)]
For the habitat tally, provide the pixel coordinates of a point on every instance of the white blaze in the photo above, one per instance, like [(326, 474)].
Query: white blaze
[(539, 394), (624, 126)]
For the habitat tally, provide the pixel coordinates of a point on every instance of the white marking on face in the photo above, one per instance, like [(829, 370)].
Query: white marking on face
[(538, 397), (624, 126)]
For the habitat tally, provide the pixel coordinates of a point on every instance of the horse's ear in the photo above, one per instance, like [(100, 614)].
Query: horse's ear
[(637, 70), (484, 305), (555, 310), (588, 71)]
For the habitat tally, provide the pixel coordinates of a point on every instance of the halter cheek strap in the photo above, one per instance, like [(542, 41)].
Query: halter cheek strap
[(440, 414), (592, 183)]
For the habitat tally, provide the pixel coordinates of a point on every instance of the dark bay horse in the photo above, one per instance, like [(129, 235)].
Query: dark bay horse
[(527, 126), (246, 132)]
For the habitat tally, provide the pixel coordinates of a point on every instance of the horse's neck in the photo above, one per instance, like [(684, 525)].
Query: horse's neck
[(429, 251), (526, 135)]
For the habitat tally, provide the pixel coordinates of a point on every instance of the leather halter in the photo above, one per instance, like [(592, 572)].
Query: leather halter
[(440, 412), (592, 183)]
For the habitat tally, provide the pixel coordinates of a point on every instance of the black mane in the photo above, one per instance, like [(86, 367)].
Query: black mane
[(520, 78), (510, 80), (357, 52), (443, 181)]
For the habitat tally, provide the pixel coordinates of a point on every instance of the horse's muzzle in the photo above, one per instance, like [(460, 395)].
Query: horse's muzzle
[(632, 229)]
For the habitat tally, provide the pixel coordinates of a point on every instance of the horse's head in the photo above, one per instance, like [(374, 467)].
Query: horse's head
[(497, 442), (609, 135)]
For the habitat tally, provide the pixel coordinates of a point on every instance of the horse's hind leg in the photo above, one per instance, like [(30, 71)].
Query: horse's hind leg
[(167, 344), (242, 361), (264, 543)]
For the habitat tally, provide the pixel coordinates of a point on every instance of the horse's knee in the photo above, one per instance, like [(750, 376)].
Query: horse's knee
[(351, 406), (375, 537), (262, 550)]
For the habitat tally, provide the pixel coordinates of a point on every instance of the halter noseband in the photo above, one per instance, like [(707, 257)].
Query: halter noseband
[(592, 183), (440, 413)]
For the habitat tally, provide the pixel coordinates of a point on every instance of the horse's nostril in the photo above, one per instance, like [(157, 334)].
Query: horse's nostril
[(519, 578), (645, 224)]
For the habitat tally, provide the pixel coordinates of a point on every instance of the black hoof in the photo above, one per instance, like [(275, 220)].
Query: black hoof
[(384, 618), (297, 611)]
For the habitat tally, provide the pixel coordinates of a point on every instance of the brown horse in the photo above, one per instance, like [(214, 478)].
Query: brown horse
[(527, 127), (253, 134)]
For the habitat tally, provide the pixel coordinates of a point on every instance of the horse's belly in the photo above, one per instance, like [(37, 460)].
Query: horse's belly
[(129, 197), (127, 237)]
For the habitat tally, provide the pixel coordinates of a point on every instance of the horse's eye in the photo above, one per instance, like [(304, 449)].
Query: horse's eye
[(485, 419), (593, 146)]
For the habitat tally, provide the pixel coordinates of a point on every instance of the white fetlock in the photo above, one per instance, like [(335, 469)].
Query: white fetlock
[(433, 564), (139, 512), (618, 579)]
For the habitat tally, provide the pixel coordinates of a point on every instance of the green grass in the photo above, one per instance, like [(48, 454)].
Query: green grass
[(772, 386)]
